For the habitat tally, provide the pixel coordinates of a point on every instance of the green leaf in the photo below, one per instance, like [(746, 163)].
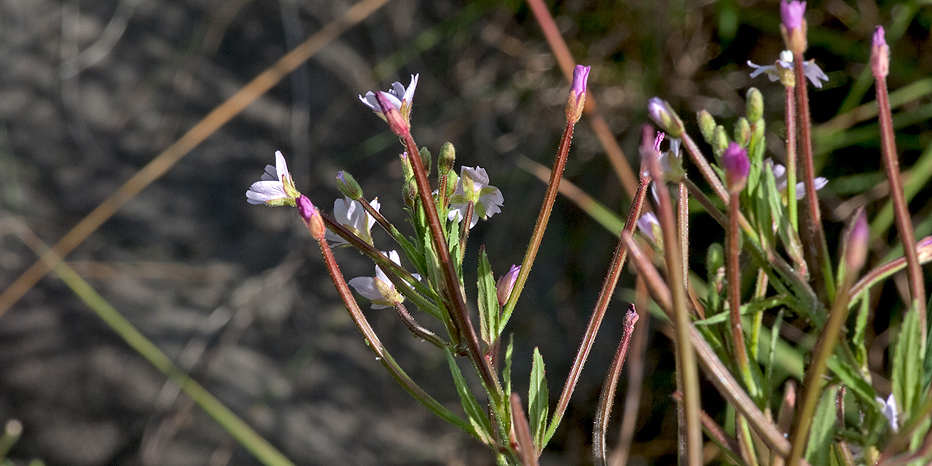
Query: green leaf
[(908, 362), (506, 370), (818, 451), (488, 301), (474, 411), (538, 400), (852, 379)]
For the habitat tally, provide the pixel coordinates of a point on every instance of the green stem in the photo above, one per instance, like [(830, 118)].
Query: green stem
[(790, 118), (451, 291), (734, 295), (813, 383), (382, 354)]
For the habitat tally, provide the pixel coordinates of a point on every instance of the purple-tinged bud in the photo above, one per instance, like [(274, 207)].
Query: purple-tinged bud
[(348, 185), (856, 242), (794, 25), (880, 54), (924, 249), (395, 119), (311, 217), (506, 283), (649, 226), (737, 167), (577, 100), (660, 111)]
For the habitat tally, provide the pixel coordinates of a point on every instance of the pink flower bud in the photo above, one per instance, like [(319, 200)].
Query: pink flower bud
[(660, 111), (880, 54), (395, 119), (794, 25), (737, 167), (857, 242), (507, 283), (311, 218)]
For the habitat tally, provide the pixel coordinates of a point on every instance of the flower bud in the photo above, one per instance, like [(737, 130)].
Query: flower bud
[(409, 192), (743, 131), (660, 111), (706, 125), (880, 54), (447, 158), (315, 224), (426, 159), (719, 141), (924, 249), (348, 185), (754, 108), (577, 99), (506, 283), (406, 170), (649, 226), (737, 167), (794, 25), (395, 119), (856, 242)]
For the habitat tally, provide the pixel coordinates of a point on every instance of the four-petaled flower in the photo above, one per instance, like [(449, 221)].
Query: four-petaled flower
[(379, 289), (354, 217), (779, 173), (276, 187), (810, 69), (399, 96), (474, 186)]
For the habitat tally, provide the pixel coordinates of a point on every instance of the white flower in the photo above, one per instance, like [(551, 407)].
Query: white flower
[(275, 189), (888, 408), (354, 217), (379, 289), (810, 69), (398, 95), (779, 172), (474, 186)]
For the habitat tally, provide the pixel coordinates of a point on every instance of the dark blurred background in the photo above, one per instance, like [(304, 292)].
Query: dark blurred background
[(237, 294)]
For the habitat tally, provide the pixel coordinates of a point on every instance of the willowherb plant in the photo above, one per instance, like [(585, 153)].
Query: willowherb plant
[(832, 413)]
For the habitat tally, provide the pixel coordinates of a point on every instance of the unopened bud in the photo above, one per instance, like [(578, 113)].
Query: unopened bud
[(856, 242), (794, 25), (743, 131), (406, 168), (880, 54), (577, 99), (706, 125), (315, 224), (659, 111), (506, 284), (395, 119), (754, 107), (924, 249), (447, 158), (409, 192), (737, 167), (719, 141), (348, 185), (426, 158)]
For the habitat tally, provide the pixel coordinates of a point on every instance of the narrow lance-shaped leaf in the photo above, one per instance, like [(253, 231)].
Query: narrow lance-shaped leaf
[(538, 400), (475, 413), (908, 362), (819, 448), (488, 301)]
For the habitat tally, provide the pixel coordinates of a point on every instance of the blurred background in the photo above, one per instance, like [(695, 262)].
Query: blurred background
[(237, 295)]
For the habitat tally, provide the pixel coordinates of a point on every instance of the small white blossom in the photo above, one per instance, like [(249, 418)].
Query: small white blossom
[(889, 410), (779, 173), (276, 187), (810, 69), (474, 186), (354, 217), (379, 289), (398, 95)]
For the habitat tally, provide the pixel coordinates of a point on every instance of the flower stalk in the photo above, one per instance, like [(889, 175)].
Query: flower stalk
[(880, 65)]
